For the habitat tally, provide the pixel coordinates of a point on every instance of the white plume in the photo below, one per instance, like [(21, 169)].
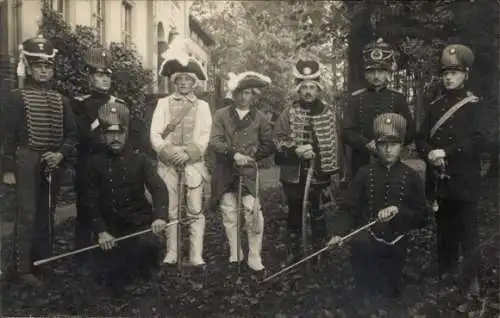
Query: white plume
[(177, 51)]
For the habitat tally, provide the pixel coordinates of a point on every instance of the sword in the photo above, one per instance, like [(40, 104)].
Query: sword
[(305, 205), (180, 202), (238, 220), (91, 247), (344, 238)]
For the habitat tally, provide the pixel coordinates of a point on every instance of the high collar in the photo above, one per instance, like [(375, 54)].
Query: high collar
[(457, 93), (377, 89), (388, 167), (32, 84), (191, 96), (316, 107), (100, 95)]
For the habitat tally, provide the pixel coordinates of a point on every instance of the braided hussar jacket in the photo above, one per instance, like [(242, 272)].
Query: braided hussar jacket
[(41, 120)]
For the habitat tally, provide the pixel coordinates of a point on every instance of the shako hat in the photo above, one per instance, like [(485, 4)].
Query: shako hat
[(244, 80), (379, 55), (177, 61), (35, 50), (114, 116), (306, 71), (389, 127), (97, 60), (457, 57)]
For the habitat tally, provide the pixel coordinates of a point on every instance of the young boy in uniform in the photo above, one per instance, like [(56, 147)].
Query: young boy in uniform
[(393, 193)]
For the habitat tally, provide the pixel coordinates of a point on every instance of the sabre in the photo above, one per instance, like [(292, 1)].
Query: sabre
[(238, 220), (344, 238), (91, 247), (305, 205), (180, 201), (51, 217)]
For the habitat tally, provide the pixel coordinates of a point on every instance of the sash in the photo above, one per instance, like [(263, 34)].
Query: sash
[(176, 121), (450, 113)]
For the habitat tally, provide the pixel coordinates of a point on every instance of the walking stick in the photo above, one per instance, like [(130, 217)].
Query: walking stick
[(51, 219), (238, 220), (91, 247), (305, 205), (344, 238)]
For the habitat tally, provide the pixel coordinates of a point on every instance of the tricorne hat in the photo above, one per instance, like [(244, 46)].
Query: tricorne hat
[(177, 61), (247, 79), (389, 127), (33, 50), (114, 116), (379, 55), (306, 71), (457, 57), (97, 60)]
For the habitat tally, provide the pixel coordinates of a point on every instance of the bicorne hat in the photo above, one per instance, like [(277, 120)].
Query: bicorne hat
[(248, 79), (177, 61)]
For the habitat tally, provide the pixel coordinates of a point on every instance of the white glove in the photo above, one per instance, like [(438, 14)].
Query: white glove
[(106, 241), (436, 154), (335, 240), (301, 150), (158, 226), (308, 155), (387, 214)]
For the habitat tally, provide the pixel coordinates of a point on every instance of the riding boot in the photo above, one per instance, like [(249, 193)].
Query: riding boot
[(318, 229)]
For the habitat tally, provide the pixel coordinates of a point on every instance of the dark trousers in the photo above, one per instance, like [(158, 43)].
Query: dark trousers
[(457, 231), (130, 258), (83, 224), (34, 226), (295, 196), (378, 267)]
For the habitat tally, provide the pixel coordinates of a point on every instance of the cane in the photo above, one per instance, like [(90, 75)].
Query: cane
[(238, 219), (305, 205), (344, 238), (91, 247)]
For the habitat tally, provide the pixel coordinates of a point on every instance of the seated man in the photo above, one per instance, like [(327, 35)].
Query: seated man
[(116, 199)]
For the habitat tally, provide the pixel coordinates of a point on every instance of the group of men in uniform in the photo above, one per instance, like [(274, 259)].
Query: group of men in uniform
[(43, 129)]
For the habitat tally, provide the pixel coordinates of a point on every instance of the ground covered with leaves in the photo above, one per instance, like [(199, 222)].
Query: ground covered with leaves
[(327, 293)]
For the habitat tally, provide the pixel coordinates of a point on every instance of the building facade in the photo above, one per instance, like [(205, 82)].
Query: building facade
[(144, 23)]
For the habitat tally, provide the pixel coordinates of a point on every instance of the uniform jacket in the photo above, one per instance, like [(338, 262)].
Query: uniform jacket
[(462, 138), (251, 136), (115, 189), (376, 187), (292, 168), (357, 123), (14, 123), (195, 171)]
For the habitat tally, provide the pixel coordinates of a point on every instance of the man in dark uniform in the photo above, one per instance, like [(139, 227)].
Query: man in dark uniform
[(115, 198), (90, 139), (393, 193), (450, 140), (40, 132), (305, 141), (366, 103)]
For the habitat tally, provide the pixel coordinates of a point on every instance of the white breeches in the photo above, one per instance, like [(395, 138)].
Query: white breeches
[(191, 208), (229, 209)]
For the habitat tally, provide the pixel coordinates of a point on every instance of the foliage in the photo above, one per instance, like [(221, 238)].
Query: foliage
[(260, 36), (131, 80)]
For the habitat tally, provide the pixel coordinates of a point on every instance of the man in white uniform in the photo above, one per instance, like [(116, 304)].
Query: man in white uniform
[(180, 131)]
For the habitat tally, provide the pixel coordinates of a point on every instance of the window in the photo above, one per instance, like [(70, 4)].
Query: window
[(60, 6), (99, 20), (127, 7)]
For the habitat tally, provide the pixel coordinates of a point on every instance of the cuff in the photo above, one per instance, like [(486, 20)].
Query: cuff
[(161, 212), (194, 153), (99, 225)]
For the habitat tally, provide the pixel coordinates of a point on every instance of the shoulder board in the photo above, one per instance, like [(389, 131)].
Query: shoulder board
[(358, 91), (82, 98), (114, 99), (476, 98), (394, 90), (437, 99)]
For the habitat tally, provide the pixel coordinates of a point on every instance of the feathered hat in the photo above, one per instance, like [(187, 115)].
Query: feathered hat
[(176, 61), (306, 71), (248, 79), (37, 49)]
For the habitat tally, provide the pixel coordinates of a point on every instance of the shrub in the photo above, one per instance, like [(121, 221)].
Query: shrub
[(131, 81)]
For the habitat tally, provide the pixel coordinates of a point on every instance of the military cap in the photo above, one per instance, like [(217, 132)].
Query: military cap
[(379, 55), (307, 71), (38, 49), (389, 127), (114, 116), (97, 60), (457, 57)]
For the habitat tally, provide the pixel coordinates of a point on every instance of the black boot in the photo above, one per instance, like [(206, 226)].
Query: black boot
[(318, 229), (294, 251)]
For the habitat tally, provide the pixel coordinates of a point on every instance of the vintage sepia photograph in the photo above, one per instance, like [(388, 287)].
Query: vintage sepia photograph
[(330, 159)]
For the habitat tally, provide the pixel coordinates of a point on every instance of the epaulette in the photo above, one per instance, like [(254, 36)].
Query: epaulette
[(476, 98), (114, 99), (358, 91), (436, 100), (82, 98)]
